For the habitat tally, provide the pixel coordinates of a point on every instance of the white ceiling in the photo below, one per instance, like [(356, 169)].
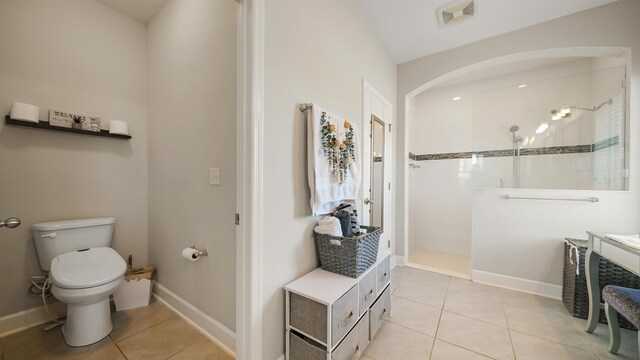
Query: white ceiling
[(141, 10), (409, 29)]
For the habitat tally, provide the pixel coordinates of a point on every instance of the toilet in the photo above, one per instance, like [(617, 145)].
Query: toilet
[(84, 271)]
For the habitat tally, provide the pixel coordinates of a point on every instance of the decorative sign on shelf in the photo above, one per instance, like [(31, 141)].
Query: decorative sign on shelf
[(75, 121)]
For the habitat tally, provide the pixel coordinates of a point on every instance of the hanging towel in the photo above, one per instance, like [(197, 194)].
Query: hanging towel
[(629, 240), (333, 160), (329, 225), (574, 250)]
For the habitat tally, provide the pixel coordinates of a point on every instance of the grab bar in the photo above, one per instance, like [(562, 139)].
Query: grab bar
[(590, 199)]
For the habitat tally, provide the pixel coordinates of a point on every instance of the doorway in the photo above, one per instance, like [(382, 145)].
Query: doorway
[(377, 176)]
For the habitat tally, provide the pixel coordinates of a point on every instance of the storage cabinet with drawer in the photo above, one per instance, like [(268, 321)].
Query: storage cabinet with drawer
[(333, 317)]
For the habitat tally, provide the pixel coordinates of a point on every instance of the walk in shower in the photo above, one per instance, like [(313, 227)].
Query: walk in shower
[(543, 124)]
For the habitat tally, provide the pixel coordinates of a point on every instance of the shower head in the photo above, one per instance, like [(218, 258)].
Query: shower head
[(512, 130)]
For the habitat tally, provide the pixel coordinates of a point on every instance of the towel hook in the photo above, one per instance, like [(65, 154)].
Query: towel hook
[(10, 223)]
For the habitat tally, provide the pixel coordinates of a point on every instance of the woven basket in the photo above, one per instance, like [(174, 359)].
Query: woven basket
[(574, 286), (348, 256)]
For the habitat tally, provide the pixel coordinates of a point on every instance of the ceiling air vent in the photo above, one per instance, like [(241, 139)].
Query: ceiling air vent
[(455, 11)]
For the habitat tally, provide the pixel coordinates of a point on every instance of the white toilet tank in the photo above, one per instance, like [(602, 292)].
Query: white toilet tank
[(58, 237)]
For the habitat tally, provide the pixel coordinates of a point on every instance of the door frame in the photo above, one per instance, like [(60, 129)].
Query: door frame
[(368, 94), (249, 191)]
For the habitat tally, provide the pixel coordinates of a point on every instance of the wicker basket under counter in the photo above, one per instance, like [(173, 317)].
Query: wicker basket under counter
[(575, 296), (348, 256)]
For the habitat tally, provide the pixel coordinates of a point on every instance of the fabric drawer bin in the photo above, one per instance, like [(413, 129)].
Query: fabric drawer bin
[(367, 291), (302, 348), (383, 273), (379, 312), (353, 345), (574, 281), (308, 316), (344, 313), (348, 256)]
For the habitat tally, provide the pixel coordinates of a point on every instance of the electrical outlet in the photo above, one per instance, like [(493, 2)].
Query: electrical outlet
[(214, 176)]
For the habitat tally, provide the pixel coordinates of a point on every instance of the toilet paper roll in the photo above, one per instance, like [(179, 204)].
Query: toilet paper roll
[(118, 127), (25, 112), (190, 254)]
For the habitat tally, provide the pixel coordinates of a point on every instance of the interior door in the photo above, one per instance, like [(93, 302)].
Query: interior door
[(377, 196)]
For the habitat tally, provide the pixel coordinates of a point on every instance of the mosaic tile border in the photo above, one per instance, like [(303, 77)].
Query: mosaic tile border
[(551, 150), (600, 145)]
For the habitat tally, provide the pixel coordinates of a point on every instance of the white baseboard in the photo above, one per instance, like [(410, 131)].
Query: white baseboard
[(208, 326), (439, 271), (281, 357), (398, 260), (29, 318), (510, 282)]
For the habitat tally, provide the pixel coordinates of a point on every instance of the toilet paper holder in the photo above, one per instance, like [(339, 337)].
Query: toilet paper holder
[(203, 252)]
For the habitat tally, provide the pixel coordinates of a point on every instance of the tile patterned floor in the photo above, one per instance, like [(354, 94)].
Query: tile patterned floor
[(440, 317), (149, 333), (434, 317)]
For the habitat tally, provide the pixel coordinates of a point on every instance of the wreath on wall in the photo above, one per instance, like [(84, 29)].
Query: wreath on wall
[(339, 155)]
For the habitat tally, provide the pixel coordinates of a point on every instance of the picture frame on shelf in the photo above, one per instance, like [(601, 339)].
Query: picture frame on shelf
[(75, 121)]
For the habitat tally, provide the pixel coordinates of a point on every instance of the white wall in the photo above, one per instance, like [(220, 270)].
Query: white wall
[(76, 56), (523, 238), (316, 51), (192, 95)]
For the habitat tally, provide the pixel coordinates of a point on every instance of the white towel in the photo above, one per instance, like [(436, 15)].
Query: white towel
[(329, 225), (574, 250), (331, 179), (629, 240)]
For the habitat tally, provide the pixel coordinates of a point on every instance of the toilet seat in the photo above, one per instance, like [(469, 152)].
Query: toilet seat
[(87, 268)]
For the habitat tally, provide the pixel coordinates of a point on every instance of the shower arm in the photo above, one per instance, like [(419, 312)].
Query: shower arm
[(595, 108)]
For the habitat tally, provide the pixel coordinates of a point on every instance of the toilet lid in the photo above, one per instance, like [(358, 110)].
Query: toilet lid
[(87, 268)]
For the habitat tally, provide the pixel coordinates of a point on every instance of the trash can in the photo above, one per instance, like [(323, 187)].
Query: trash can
[(135, 291)]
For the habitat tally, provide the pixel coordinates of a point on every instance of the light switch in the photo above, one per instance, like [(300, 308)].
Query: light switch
[(214, 176)]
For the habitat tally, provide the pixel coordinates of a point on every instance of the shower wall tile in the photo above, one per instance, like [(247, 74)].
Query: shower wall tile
[(570, 149), (545, 171), (606, 143), (550, 150), (441, 125), (495, 153), (440, 206), (444, 156)]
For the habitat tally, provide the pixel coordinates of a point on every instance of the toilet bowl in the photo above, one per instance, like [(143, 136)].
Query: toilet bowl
[(84, 271), (84, 280)]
